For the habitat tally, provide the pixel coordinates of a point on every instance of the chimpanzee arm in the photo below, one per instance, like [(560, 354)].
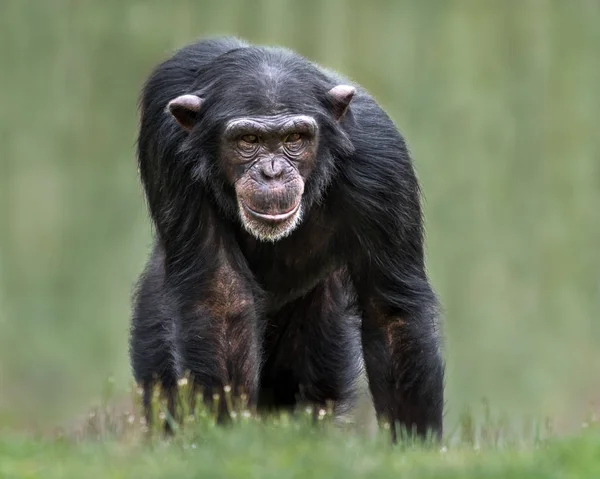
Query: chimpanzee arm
[(400, 335), (220, 347), (401, 345), (218, 329)]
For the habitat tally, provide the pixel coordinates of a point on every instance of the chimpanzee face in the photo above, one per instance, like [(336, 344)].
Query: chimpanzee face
[(268, 159)]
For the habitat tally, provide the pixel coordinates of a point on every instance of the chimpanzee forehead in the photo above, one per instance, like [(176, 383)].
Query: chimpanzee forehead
[(279, 123)]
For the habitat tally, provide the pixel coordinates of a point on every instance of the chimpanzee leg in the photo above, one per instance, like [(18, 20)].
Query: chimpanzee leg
[(313, 351)]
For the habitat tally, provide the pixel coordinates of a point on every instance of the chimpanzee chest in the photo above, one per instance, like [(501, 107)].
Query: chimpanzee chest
[(292, 277), (292, 267)]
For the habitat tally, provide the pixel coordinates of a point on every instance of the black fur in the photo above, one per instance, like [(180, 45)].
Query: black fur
[(290, 320)]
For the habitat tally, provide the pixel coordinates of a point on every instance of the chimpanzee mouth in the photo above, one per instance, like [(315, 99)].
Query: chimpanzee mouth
[(270, 227), (277, 218)]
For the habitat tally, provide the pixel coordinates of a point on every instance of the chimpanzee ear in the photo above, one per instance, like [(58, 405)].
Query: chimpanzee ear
[(184, 109), (340, 97)]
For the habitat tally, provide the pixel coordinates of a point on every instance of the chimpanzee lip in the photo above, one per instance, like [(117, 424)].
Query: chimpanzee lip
[(273, 218)]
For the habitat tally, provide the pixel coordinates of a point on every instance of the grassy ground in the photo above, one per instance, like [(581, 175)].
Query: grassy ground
[(282, 449), (113, 442)]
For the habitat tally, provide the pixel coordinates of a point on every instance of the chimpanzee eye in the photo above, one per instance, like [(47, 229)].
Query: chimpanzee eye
[(293, 138), (249, 138), (248, 143)]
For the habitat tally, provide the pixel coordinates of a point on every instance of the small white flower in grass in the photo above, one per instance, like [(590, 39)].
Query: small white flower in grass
[(444, 450), (182, 382), (162, 416), (131, 419), (227, 389)]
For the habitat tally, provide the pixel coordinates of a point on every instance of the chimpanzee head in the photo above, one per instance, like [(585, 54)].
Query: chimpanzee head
[(263, 128)]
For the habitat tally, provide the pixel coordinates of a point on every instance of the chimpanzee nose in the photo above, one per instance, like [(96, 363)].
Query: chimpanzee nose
[(272, 169)]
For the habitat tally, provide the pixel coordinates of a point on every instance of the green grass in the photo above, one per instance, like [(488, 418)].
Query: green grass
[(112, 441), (288, 449)]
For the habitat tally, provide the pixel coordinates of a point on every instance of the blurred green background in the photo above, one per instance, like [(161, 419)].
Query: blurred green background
[(499, 101)]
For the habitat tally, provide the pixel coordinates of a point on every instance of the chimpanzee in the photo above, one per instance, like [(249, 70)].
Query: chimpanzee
[(289, 244)]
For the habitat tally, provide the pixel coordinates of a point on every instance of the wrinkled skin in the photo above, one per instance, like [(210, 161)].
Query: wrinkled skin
[(268, 160)]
